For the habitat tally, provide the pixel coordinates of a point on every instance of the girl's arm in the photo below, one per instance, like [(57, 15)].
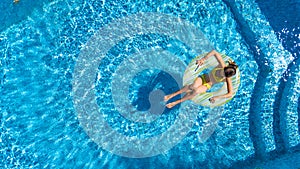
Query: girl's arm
[(227, 95), (212, 53)]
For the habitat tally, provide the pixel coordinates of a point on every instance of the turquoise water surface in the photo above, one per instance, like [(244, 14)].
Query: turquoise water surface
[(41, 48)]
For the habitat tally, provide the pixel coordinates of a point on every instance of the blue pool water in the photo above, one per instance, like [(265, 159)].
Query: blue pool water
[(42, 43)]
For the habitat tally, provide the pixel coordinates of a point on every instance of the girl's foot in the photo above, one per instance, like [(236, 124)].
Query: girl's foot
[(167, 97), (170, 105)]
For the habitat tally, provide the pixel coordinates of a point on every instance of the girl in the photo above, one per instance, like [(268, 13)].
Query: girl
[(204, 82)]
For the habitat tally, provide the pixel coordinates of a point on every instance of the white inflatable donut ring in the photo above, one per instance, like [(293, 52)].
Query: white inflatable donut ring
[(203, 99)]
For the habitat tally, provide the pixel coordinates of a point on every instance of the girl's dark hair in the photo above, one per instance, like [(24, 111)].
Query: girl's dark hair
[(230, 70)]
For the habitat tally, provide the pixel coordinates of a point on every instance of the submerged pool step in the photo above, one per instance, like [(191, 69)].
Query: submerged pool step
[(286, 118), (272, 60), (298, 109), (286, 108), (254, 116)]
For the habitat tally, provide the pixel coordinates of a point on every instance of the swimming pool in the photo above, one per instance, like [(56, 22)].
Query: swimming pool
[(41, 122)]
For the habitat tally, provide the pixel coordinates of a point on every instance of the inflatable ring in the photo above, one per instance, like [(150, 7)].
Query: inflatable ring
[(192, 72)]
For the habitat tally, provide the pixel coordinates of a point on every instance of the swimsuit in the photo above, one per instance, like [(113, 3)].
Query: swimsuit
[(217, 79), (204, 82)]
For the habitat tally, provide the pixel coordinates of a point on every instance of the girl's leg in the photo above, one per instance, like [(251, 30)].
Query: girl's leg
[(188, 96), (170, 96), (187, 88)]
